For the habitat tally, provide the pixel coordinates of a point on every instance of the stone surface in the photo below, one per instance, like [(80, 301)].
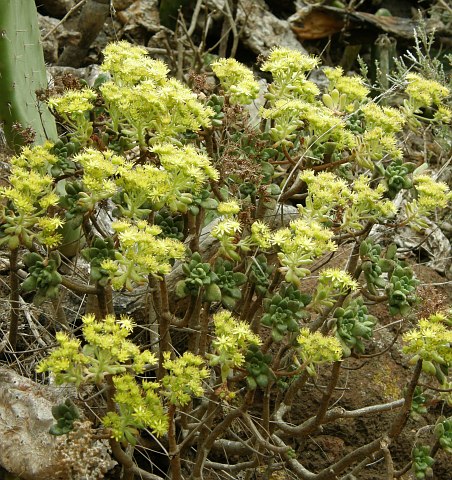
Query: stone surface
[(26, 447), (142, 13), (260, 29), (56, 8)]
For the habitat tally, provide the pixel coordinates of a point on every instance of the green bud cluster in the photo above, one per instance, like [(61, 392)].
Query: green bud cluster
[(396, 176), (422, 462), (418, 403), (202, 199), (284, 310), (375, 263), (228, 282), (74, 202), (99, 251), (199, 275), (64, 150), (353, 323), (355, 122), (216, 103), (318, 151), (260, 272), (65, 414), (335, 100), (172, 225), (257, 365), (402, 290), (443, 432), (43, 276)]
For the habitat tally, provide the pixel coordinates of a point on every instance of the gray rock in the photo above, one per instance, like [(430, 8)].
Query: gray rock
[(260, 29), (26, 446)]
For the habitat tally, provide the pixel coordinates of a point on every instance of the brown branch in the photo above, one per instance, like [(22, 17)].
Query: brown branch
[(384, 444), (318, 419), (78, 287), (174, 452), (331, 416), (400, 421), (205, 446)]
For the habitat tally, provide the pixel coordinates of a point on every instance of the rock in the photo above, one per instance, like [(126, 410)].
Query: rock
[(263, 30), (28, 450), (26, 446), (260, 29), (122, 4), (432, 243), (53, 35), (91, 21), (56, 8), (142, 13)]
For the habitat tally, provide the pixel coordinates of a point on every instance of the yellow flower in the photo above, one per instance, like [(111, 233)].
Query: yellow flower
[(237, 80), (228, 208), (338, 279)]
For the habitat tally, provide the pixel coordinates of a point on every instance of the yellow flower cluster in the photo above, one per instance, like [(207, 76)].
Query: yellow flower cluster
[(339, 280), (315, 349), (431, 194), (129, 64), (144, 102), (430, 342), (353, 87), (237, 80), (108, 351), (184, 378), (232, 338), (423, 92), (73, 103), (327, 193), (139, 407), (228, 208), (140, 254), (31, 191)]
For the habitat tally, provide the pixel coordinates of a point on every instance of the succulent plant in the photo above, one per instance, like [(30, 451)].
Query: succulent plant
[(216, 102), (64, 150), (374, 264), (172, 225), (397, 176), (260, 274), (443, 431), (23, 73), (43, 276), (422, 462), (200, 200), (228, 282), (199, 275), (100, 250), (257, 365), (284, 310), (65, 414), (353, 323), (75, 210), (402, 290)]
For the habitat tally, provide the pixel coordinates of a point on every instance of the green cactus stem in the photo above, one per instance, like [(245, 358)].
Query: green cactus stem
[(22, 73)]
